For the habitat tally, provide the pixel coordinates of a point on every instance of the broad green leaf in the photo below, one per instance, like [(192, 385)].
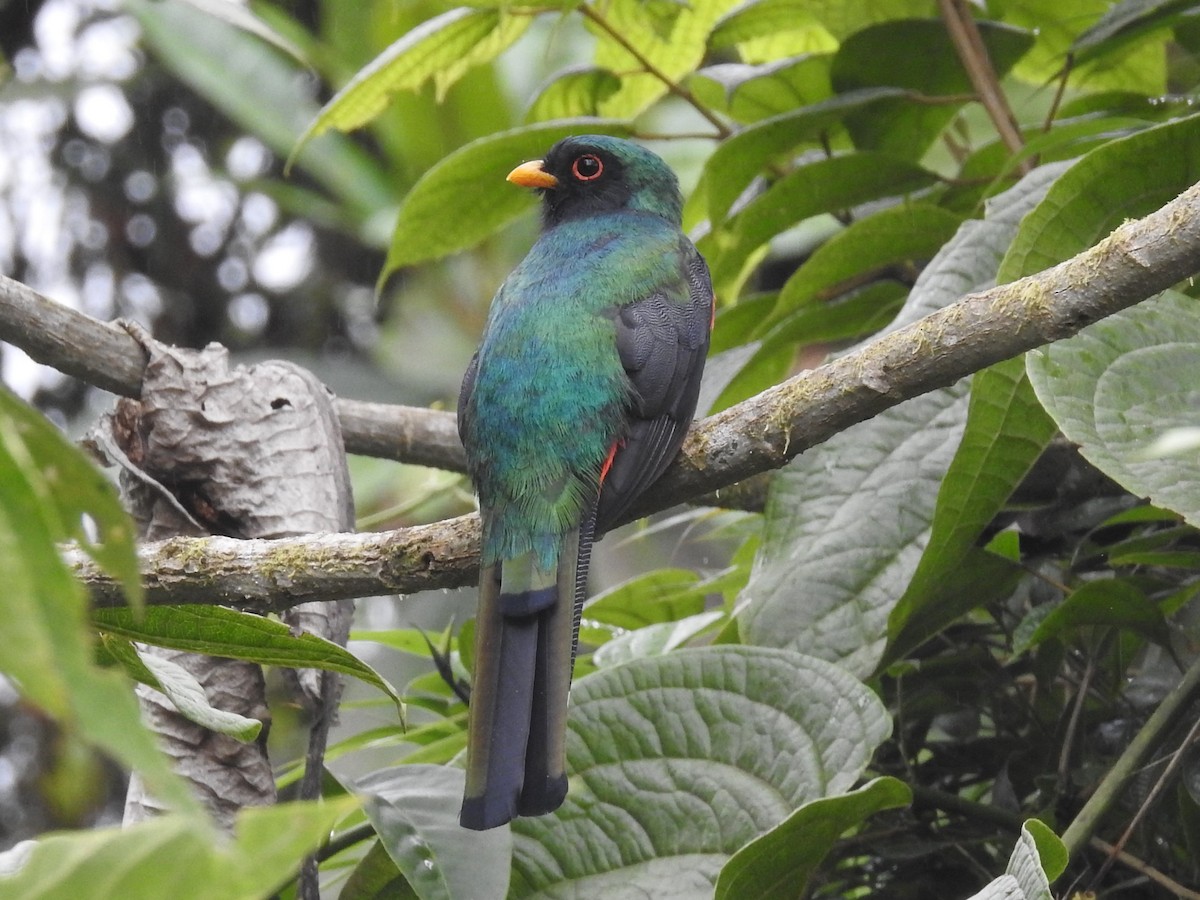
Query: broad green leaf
[(177, 856), (827, 185), (414, 809), (629, 38), (654, 640), (187, 694), (907, 234), (751, 93), (780, 863), (1039, 858), (1106, 187), (1128, 21), (578, 91), (1115, 387), (677, 761), (766, 30), (440, 49), (663, 595), (738, 159), (982, 578), (844, 19), (219, 61), (464, 198), (1120, 66), (847, 521), (846, 524), (46, 489), (1116, 602), (376, 877), (919, 55), (1006, 432), (220, 631)]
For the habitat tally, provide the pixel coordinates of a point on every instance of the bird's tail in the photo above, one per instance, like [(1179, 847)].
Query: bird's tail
[(525, 636)]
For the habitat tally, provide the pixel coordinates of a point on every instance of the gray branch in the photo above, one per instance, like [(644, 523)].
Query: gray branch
[(1137, 261)]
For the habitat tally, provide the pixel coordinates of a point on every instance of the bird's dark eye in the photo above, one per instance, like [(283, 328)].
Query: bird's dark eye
[(587, 167)]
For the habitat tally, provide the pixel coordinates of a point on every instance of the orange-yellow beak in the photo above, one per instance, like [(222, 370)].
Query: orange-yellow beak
[(532, 175)]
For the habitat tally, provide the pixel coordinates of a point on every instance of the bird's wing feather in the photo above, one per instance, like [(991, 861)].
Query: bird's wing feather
[(662, 341)]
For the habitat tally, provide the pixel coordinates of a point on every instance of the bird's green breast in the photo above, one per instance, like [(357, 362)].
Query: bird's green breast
[(550, 392)]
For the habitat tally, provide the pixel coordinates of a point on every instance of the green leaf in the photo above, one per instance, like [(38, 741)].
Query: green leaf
[(766, 30), (46, 489), (780, 863), (376, 877), (176, 856), (1128, 21), (674, 46), (440, 49), (1039, 857), (219, 631), (1115, 388), (1106, 187), (578, 91), (847, 521), (907, 234), (414, 809), (677, 761), (654, 640), (1119, 66), (919, 55), (750, 93), (187, 694), (1006, 432), (828, 185), (464, 198), (736, 160), (1116, 602), (242, 18)]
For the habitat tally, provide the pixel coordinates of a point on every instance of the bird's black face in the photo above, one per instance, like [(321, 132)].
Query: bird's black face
[(584, 176), (588, 180)]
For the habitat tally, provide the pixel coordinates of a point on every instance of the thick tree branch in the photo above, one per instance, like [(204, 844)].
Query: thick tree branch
[(108, 356), (1137, 261)]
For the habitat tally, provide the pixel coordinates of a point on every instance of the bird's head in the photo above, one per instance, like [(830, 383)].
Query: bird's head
[(589, 174)]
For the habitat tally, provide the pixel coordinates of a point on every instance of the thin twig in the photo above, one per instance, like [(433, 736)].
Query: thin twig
[(1167, 773), (968, 43), (1113, 783)]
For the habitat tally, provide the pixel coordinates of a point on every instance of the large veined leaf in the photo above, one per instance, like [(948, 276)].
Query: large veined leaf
[(778, 865), (847, 521), (677, 761), (414, 809), (1038, 859), (1118, 385), (749, 93), (47, 488), (464, 198), (176, 856), (1115, 387)]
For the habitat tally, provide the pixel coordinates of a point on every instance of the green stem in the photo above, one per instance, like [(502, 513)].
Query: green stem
[(1080, 830)]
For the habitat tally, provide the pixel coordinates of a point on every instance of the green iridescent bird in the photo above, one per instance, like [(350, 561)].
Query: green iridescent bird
[(578, 398)]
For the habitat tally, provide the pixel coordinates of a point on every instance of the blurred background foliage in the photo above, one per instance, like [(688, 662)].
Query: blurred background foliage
[(1016, 605)]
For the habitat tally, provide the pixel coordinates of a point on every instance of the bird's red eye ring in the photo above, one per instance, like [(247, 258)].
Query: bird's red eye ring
[(587, 167)]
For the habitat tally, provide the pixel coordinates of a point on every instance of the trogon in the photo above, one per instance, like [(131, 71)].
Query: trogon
[(579, 396)]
